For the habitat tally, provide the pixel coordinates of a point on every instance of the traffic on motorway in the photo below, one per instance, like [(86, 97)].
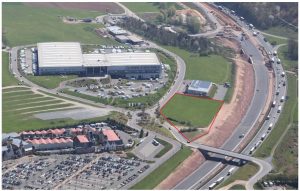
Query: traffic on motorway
[(258, 102)]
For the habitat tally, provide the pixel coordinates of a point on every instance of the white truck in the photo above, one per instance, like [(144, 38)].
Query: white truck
[(274, 103), (212, 186), (279, 109), (251, 150), (282, 99), (230, 171), (270, 126), (282, 74), (278, 61), (275, 53), (263, 137), (220, 180)]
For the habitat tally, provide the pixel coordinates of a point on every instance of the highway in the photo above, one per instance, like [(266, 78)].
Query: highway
[(254, 111), (250, 49)]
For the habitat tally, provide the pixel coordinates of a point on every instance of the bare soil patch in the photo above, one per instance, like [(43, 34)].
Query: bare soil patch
[(103, 7), (182, 171)]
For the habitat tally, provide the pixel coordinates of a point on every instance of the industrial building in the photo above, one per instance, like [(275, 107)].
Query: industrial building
[(67, 58), (199, 88)]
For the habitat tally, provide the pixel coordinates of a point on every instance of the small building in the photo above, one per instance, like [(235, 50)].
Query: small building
[(199, 88), (122, 38), (135, 40), (115, 30)]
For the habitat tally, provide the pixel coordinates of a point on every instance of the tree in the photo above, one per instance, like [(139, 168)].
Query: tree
[(141, 133), (193, 24), (171, 11), (160, 17), (292, 49)]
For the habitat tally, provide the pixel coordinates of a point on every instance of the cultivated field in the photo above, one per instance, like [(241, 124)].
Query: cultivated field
[(191, 111), (19, 104), (24, 24), (212, 68), (139, 7), (102, 7)]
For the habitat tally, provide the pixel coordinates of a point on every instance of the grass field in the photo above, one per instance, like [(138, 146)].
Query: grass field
[(238, 187), (286, 118), (7, 77), (23, 24), (198, 112), (243, 173), (288, 64), (212, 68), (167, 147), (282, 31), (50, 82), (275, 39), (163, 171), (139, 7), (158, 129), (18, 109)]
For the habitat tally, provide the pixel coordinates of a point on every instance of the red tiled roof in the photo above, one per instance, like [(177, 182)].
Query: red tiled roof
[(111, 135), (82, 139), (50, 141)]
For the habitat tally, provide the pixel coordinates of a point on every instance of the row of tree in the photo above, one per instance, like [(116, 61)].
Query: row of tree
[(292, 49), (165, 37), (264, 15)]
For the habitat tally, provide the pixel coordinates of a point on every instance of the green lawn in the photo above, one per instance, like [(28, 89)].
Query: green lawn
[(167, 147), (243, 173), (50, 82), (23, 24), (238, 187), (7, 78), (288, 64), (282, 31), (275, 39), (212, 68), (198, 111), (14, 108), (286, 117), (163, 171), (158, 129), (139, 7)]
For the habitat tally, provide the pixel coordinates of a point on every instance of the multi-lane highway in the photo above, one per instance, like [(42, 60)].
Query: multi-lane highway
[(256, 105)]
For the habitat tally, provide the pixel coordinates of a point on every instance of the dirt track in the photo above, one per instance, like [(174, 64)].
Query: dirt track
[(91, 6)]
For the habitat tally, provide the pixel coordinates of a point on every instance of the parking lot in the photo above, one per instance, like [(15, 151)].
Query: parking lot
[(28, 60), (86, 171)]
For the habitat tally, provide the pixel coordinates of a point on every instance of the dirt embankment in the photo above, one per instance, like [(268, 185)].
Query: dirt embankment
[(227, 120), (182, 171), (103, 7)]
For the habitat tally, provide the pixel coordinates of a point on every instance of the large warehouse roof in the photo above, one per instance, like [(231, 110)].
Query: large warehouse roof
[(120, 59), (59, 54)]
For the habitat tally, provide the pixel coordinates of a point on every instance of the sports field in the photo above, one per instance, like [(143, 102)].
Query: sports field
[(191, 111), (24, 24)]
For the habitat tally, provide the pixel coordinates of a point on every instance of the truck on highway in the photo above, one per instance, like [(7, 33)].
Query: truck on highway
[(270, 126), (278, 61), (220, 180), (251, 26), (277, 92), (282, 74), (282, 99), (263, 137), (279, 109), (230, 171), (212, 186), (251, 150), (274, 103), (257, 144), (275, 53)]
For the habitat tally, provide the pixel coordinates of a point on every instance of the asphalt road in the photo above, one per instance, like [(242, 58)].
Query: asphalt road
[(264, 129)]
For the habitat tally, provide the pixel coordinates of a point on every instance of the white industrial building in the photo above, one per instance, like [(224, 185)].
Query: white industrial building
[(67, 58), (200, 88)]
